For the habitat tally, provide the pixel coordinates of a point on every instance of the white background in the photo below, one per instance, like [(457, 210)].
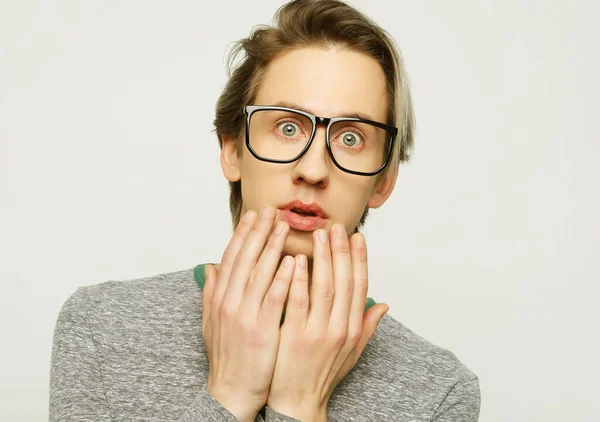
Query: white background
[(488, 247)]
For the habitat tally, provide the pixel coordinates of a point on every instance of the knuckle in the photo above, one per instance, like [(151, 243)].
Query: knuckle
[(361, 257), (255, 276), (354, 336), (327, 291), (214, 302), (299, 302), (242, 225), (282, 276), (300, 275), (363, 286), (255, 229), (278, 283), (246, 325), (343, 247), (228, 256), (271, 247), (317, 338), (347, 284), (227, 312), (339, 338), (272, 299)]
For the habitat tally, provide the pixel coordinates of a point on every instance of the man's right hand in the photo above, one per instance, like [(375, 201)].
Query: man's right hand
[(241, 312)]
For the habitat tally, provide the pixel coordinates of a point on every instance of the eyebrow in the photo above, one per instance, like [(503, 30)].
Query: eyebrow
[(306, 110)]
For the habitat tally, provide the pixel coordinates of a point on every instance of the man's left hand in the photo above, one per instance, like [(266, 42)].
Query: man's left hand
[(325, 330)]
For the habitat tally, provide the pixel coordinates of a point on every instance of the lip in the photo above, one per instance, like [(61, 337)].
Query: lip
[(303, 222), (312, 207)]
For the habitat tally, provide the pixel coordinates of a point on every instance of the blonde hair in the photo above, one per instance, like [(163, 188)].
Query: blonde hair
[(301, 23)]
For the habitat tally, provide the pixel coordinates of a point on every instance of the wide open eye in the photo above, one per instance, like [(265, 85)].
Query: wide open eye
[(288, 129), (350, 139)]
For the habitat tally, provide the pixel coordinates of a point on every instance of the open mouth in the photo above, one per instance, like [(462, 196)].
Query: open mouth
[(300, 218), (303, 216), (303, 213)]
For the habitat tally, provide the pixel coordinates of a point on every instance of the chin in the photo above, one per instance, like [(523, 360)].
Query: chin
[(299, 243)]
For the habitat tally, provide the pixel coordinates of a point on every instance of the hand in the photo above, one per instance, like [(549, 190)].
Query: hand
[(241, 313), (322, 342)]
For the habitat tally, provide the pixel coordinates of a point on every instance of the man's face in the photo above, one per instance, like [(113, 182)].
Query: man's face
[(328, 83)]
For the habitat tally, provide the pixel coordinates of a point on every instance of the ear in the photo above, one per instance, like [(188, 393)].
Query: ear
[(383, 189), (230, 162)]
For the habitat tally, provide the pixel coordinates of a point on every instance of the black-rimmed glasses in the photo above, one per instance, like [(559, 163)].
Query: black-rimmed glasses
[(282, 135)]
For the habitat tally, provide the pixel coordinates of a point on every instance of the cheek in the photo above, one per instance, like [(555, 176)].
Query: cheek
[(351, 200), (262, 183)]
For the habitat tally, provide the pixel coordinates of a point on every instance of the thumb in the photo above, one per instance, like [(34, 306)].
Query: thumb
[(210, 278), (371, 320)]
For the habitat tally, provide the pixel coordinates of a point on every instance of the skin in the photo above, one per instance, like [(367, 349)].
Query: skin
[(332, 82), (321, 284)]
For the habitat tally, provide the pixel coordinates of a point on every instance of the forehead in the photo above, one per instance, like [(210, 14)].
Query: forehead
[(327, 81)]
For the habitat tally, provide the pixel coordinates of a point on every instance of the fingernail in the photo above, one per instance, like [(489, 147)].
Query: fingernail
[(359, 241), (279, 228), (340, 230), (248, 216), (302, 261), (287, 261), (323, 236)]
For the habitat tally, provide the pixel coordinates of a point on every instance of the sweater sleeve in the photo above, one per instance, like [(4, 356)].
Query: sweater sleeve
[(77, 392), (462, 403), (274, 416), (206, 408)]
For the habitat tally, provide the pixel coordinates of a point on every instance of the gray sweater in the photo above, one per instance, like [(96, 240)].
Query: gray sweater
[(133, 350)]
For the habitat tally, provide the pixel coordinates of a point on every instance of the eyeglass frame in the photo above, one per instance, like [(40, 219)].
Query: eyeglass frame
[(249, 110)]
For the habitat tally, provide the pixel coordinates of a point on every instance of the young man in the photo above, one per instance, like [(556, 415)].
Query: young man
[(312, 124)]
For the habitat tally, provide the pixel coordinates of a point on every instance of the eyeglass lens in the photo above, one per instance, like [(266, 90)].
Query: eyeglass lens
[(282, 135)]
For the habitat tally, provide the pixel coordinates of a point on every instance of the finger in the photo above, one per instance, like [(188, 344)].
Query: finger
[(210, 276), (272, 306), (343, 278), (371, 320), (322, 289), (247, 258), (296, 312), (358, 250), (229, 256), (262, 275)]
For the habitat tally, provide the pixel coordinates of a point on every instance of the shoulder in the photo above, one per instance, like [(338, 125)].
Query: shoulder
[(134, 315), (155, 291), (131, 307), (401, 347), (412, 375)]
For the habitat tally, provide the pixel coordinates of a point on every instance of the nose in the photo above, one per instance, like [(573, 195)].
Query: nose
[(314, 166)]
